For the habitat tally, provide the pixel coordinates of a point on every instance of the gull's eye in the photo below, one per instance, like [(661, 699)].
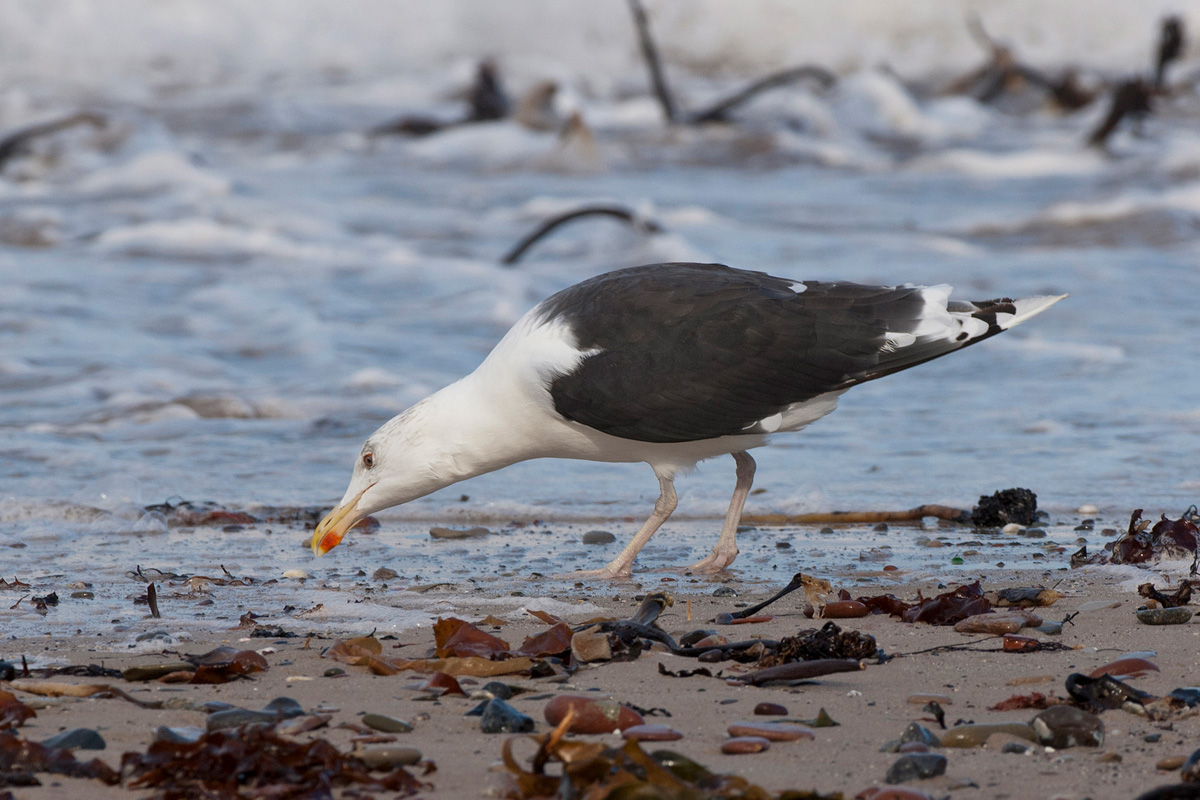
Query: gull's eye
[(368, 460)]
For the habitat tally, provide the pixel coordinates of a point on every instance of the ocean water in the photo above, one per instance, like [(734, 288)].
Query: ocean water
[(217, 293)]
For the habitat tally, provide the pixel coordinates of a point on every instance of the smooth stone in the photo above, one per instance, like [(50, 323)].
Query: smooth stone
[(977, 734), (1050, 628), (498, 689), (599, 537), (334, 672), (724, 591), (922, 698), (651, 733), (277, 709), (1190, 771), (438, 532), (385, 757), (381, 722), (771, 731), (499, 717), (77, 739), (715, 640), (845, 609), (384, 574), (914, 767), (1067, 726), (741, 745), (592, 715), (770, 710), (1127, 666), (1164, 616), (183, 734), (1008, 622), (1097, 605), (690, 638), (1014, 747), (1170, 763), (150, 672), (913, 747), (915, 732), (681, 766)]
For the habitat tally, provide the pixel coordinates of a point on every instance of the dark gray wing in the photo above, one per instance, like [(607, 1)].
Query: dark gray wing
[(697, 351)]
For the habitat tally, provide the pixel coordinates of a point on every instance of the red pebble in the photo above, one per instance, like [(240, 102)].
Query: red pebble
[(845, 609), (651, 733), (740, 745), (592, 715), (1020, 644), (770, 710), (772, 731)]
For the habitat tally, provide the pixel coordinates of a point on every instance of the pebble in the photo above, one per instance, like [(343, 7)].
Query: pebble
[(977, 734), (1164, 616), (690, 638), (921, 698), (1067, 726), (77, 739), (386, 757), (384, 574), (381, 722), (724, 591), (771, 731), (845, 609), (591, 715), (711, 656), (296, 574), (599, 537), (1008, 622), (499, 717), (916, 766), (590, 645), (915, 732), (1050, 628), (1170, 763), (740, 745), (1110, 758), (770, 710), (894, 793), (498, 689), (1132, 667), (1087, 510), (438, 532), (1097, 605), (277, 709), (334, 672), (715, 640), (184, 734), (651, 733), (1014, 747), (1190, 771)]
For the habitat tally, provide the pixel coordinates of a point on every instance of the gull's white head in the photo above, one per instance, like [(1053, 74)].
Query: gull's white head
[(399, 462)]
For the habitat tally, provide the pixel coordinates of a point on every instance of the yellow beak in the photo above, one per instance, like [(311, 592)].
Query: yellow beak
[(332, 529)]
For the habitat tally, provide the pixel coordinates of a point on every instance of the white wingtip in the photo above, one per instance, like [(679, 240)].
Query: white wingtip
[(1030, 307)]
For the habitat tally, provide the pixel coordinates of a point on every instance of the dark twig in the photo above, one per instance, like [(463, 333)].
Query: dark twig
[(795, 583), (647, 225), (14, 142), (650, 52), (719, 111), (1132, 99), (1170, 47), (152, 601)]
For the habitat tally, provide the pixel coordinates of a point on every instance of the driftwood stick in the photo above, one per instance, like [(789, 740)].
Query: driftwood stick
[(909, 515), (799, 671), (719, 111), (549, 225), (11, 144), (650, 52)]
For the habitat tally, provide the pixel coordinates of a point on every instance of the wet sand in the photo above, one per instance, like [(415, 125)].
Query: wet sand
[(871, 706)]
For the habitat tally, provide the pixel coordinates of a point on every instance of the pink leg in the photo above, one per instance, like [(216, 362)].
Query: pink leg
[(622, 565), (725, 551)]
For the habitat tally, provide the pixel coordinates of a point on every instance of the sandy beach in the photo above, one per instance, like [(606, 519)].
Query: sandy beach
[(871, 706)]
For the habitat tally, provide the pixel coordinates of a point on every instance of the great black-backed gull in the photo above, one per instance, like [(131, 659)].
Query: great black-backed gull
[(668, 364)]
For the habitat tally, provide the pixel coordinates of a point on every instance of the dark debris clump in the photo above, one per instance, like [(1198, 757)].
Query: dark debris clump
[(828, 642), (1004, 507), (253, 762)]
